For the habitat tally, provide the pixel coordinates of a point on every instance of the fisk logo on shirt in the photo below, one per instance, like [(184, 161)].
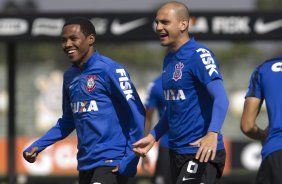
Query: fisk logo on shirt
[(208, 60), (277, 67), (172, 94), (85, 106), (125, 84)]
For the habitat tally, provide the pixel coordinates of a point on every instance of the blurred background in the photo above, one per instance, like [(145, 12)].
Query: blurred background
[(31, 71)]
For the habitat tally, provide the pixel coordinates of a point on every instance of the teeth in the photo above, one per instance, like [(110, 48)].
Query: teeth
[(70, 51)]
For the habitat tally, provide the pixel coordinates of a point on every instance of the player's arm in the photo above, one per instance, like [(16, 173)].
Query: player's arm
[(208, 144), (220, 105), (253, 102), (127, 94), (150, 106), (148, 122), (248, 124), (161, 127), (62, 129), (144, 145), (205, 69)]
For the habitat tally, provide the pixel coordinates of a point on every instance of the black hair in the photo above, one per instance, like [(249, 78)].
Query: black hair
[(86, 26)]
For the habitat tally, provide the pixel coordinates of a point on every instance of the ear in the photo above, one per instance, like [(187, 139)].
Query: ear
[(91, 39), (184, 24)]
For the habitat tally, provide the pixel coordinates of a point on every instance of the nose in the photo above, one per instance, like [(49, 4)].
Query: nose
[(68, 43), (159, 27)]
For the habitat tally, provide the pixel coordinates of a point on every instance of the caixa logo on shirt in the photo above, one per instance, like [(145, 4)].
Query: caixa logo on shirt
[(125, 84), (85, 106), (277, 67), (172, 94), (208, 60)]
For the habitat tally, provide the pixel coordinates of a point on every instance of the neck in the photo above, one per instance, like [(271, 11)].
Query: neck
[(179, 43), (80, 64)]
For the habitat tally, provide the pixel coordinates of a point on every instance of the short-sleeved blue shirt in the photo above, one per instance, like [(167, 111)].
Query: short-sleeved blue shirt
[(266, 84)]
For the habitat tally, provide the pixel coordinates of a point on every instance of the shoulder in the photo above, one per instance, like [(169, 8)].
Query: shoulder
[(110, 64), (267, 68), (200, 51), (195, 52), (113, 69), (274, 63)]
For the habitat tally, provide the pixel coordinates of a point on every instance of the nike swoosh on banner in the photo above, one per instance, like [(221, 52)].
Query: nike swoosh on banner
[(117, 28), (261, 27), (185, 179)]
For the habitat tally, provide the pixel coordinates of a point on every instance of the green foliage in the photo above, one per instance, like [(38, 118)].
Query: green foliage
[(41, 52), (137, 54), (269, 4), (238, 52)]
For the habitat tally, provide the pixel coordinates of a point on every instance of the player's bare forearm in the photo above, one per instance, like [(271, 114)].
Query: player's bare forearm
[(148, 120), (256, 133), (248, 124)]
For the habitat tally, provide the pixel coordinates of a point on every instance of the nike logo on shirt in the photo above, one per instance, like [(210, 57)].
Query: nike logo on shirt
[(118, 29), (262, 27)]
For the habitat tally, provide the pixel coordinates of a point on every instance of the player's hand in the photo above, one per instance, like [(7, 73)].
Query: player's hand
[(142, 146), (32, 155), (207, 147), (115, 169)]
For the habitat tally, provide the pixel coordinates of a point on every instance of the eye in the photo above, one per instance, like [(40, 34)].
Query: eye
[(74, 38), (165, 22), (63, 40)]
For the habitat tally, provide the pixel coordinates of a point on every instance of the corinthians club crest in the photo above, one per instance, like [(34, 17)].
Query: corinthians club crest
[(177, 74), (91, 85)]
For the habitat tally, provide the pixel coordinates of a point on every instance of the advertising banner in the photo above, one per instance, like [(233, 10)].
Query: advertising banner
[(235, 26)]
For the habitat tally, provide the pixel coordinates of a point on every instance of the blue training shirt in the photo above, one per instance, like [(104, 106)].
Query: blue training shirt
[(266, 84), (102, 105), (189, 105), (155, 99)]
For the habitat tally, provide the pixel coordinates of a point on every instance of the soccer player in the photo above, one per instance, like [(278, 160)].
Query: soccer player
[(100, 102), (155, 101), (265, 85), (196, 102)]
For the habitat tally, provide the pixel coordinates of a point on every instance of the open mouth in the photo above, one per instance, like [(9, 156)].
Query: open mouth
[(163, 36), (70, 52)]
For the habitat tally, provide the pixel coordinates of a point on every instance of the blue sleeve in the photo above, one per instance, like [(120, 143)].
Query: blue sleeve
[(62, 129), (161, 127), (254, 89), (205, 67), (220, 105), (130, 101)]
